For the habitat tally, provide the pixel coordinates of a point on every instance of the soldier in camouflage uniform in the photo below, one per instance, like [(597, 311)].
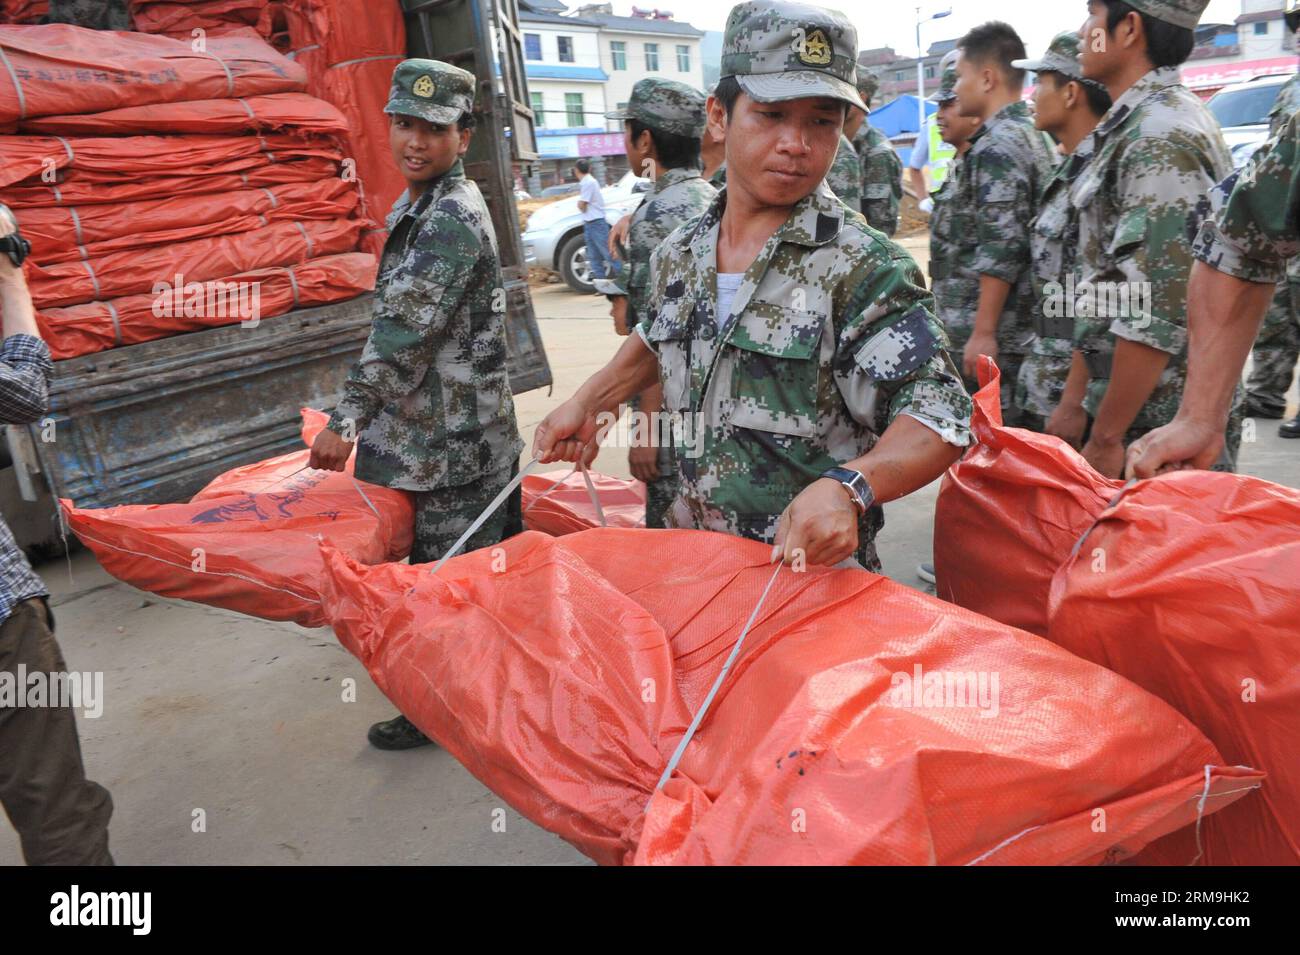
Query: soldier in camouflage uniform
[(880, 168), (956, 290), (800, 351), (1278, 345), (1242, 251), (845, 176), (994, 201), (429, 402), (1140, 201), (1068, 107), (673, 115)]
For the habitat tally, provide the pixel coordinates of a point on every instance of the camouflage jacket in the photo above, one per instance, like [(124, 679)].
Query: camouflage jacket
[(1254, 232), (845, 175), (1054, 242), (1140, 203), (677, 196), (1287, 102), (882, 178), (719, 177), (956, 291), (994, 200), (831, 338), (429, 399)]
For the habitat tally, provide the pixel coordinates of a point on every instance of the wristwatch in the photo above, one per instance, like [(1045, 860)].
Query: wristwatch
[(857, 486)]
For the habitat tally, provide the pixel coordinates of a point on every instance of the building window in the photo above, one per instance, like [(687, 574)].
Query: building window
[(574, 115), (652, 57), (532, 46), (565, 44), (683, 59), (929, 72), (1261, 28), (898, 76), (618, 54), (539, 113)]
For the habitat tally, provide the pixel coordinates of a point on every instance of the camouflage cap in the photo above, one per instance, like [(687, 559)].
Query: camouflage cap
[(665, 105), (432, 90), (868, 85), (781, 51), (947, 86), (1181, 13), (1062, 57)]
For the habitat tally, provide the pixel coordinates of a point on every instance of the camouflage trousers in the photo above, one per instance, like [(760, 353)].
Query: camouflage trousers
[(1276, 350), (1038, 388), (660, 492), (443, 514)]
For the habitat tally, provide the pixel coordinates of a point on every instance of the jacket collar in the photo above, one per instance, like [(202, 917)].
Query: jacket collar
[(1018, 109), (1151, 83), (673, 176)]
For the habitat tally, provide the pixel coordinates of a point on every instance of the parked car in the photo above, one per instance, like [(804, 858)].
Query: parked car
[(554, 236), (1242, 112), (563, 189)]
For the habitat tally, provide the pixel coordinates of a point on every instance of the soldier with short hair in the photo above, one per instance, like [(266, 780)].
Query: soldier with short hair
[(796, 343), (428, 404), (1068, 107), (995, 199), (880, 168), (1158, 152), (663, 124)]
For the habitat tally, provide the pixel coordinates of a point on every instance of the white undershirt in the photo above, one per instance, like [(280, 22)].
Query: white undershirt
[(728, 283)]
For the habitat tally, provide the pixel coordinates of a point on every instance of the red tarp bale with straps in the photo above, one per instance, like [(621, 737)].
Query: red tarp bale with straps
[(59, 68), (1009, 512), (563, 672), (568, 508), (249, 541), (1188, 586)]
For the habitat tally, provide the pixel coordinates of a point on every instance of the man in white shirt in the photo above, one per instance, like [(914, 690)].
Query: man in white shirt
[(594, 227)]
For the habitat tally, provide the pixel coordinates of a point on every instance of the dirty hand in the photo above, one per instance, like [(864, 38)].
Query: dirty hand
[(978, 345), (618, 309), (618, 235), (1181, 443), (1106, 457), (566, 434), (329, 452), (1068, 423), (643, 463), (821, 523)]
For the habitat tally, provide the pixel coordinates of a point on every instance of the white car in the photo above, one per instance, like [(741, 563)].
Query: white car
[(554, 238), (1242, 112)]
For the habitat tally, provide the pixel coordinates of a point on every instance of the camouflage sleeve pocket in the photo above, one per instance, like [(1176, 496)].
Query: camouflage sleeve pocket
[(893, 353)]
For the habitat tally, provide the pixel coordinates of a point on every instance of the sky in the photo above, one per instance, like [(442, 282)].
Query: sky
[(894, 24)]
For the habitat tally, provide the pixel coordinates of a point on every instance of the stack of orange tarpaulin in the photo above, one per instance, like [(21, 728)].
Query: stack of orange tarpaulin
[(349, 49), (169, 185), (180, 18)]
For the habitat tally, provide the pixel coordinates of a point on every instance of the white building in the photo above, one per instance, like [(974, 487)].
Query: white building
[(583, 63)]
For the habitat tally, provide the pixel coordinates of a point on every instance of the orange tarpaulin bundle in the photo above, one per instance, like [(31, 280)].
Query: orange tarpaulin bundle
[(1188, 587), (567, 507), (249, 540), (563, 672), (58, 68), (111, 159), (1008, 513), (23, 11), (349, 49), (295, 113), (216, 17), (72, 190), (96, 326), (63, 233), (136, 271)]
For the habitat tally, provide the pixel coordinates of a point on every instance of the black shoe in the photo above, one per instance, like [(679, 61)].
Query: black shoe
[(1290, 429), (397, 733), (1253, 408)]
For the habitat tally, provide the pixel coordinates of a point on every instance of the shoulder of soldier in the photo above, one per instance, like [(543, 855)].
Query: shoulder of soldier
[(1005, 142), (1174, 113), (865, 252), (459, 216)]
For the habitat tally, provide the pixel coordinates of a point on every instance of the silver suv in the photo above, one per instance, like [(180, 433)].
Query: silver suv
[(1242, 112), (554, 239)]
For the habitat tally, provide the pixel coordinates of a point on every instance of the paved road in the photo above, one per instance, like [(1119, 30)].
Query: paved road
[(244, 719)]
